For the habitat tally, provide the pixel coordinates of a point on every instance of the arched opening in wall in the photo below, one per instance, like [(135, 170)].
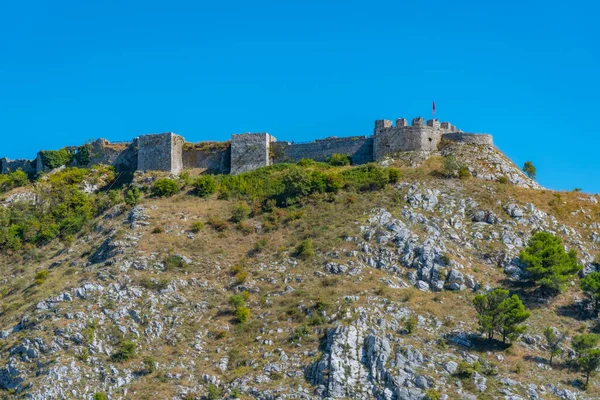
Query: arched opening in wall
[(430, 140)]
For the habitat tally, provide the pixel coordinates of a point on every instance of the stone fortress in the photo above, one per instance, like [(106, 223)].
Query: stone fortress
[(248, 151)]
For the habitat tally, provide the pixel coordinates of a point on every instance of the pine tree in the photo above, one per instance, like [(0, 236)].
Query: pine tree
[(584, 342), (547, 262), (553, 338), (529, 169), (498, 312), (591, 287), (589, 363)]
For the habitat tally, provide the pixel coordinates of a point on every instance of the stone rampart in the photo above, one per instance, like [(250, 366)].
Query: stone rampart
[(214, 157), (470, 138), (160, 152), (250, 151), (122, 155), (359, 148), (7, 166)]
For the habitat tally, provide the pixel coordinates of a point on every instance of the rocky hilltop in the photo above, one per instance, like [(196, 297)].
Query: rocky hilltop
[(361, 287)]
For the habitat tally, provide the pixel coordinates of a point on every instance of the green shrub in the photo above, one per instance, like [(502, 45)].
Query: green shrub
[(410, 324), (365, 178), (242, 314), (126, 351), (393, 175), (463, 172), (158, 229), (149, 364), (133, 196), (41, 276), (213, 392), (432, 394), (339, 160), (240, 212), (237, 300), (451, 166), (218, 224), (165, 187), (185, 178), (13, 180), (173, 262), (205, 185), (304, 250), (100, 396), (466, 370), (299, 333), (503, 180), (197, 226)]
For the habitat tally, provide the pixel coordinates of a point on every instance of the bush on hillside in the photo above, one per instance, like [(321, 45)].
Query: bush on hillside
[(339, 160), (13, 180), (165, 187), (205, 185)]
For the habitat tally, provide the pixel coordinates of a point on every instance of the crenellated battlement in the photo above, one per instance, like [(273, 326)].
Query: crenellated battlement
[(245, 152)]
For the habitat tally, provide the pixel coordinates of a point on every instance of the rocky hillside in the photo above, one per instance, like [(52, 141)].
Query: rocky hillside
[(359, 293)]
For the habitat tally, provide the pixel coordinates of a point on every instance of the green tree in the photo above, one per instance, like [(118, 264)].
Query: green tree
[(529, 169), (589, 363), (591, 288), (553, 340), (498, 312), (547, 262), (512, 313), (584, 342)]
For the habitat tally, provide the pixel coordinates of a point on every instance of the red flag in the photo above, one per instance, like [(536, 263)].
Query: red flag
[(432, 108)]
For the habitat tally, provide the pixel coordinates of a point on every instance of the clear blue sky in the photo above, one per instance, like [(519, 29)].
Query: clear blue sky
[(525, 71)]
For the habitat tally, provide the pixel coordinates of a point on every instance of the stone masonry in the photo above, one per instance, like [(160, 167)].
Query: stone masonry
[(161, 152), (248, 151)]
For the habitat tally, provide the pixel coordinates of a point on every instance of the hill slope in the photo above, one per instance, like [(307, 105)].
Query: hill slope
[(354, 294)]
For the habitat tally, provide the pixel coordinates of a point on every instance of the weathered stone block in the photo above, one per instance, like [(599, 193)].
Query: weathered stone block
[(250, 151), (160, 152)]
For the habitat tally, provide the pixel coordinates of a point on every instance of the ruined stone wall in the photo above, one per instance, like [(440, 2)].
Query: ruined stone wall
[(122, 155), (160, 152), (250, 151), (7, 166), (471, 138), (359, 148), (215, 158)]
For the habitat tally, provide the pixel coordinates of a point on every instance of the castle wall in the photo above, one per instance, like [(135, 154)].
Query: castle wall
[(250, 151), (160, 152), (406, 138), (214, 157), (471, 138), (122, 155), (7, 166), (359, 148)]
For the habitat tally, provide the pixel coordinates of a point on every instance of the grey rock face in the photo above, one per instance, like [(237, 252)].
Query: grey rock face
[(358, 362), (10, 376)]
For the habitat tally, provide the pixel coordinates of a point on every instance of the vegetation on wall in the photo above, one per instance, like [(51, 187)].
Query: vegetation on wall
[(52, 159)]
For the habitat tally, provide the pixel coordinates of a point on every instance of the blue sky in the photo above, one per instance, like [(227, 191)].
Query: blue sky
[(524, 71)]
